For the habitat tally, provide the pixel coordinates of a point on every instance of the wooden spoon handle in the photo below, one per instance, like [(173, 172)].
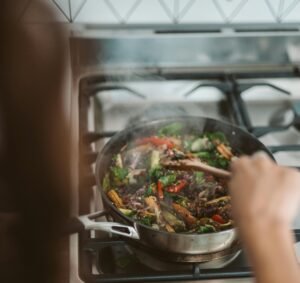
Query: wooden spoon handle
[(194, 164)]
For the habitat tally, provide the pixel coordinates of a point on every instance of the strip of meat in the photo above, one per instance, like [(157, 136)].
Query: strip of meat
[(185, 214), (216, 200)]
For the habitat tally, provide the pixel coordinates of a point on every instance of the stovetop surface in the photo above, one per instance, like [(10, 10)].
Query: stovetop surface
[(115, 258), (271, 114)]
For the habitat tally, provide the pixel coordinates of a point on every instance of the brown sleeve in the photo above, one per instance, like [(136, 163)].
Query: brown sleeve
[(34, 150)]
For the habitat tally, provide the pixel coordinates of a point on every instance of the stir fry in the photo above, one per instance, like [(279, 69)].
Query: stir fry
[(172, 200)]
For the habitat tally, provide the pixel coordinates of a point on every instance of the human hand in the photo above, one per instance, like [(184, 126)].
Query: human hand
[(263, 193), (265, 200)]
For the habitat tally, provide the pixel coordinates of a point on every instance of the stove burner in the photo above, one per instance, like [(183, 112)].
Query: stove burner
[(145, 252), (128, 256), (184, 262)]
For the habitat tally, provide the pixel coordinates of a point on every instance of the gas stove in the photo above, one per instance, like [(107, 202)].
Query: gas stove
[(264, 99)]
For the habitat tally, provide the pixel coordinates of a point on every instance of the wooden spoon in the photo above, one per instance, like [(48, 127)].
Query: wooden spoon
[(195, 164)]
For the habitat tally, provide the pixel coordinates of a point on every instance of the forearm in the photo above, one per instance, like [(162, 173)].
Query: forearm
[(271, 253)]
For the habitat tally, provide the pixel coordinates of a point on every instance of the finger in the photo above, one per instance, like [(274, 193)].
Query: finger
[(260, 154), (261, 161), (285, 196), (291, 177), (239, 163), (243, 168), (242, 171)]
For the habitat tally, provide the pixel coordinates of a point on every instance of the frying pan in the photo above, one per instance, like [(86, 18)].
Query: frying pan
[(179, 243)]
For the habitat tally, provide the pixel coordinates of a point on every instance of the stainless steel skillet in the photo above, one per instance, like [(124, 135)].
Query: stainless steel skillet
[(182, 243)]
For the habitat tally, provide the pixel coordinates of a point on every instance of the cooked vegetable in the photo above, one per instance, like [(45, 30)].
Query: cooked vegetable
[(218, 218), (221, 199), (155, 173), (173, 221), (119, 173), (156, 141), (114, 197), (127, 212), (152, 204), (154, 159), (169, 228), (206, 229), (201, 144), (119, 161), (150, 191), (224, 151), (106, 182), (177, 187), (216, 137), (160, 190), (199, 177), (173, 129), (168, 180), (133, 175), (142, 187), (182, 200), (147, 220)]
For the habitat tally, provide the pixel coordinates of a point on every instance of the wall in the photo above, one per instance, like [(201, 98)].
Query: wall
[(162, 11)]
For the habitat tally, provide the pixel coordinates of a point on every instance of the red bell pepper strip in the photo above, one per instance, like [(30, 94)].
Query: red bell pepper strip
[(218, 218), (160, 192), (178, 187), (156, 141)]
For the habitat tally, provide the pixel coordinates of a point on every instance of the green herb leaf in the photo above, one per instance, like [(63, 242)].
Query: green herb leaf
[(206, 229), (173, 129), (217, 136), (120, 173), (182, 200), (199, 177), (127, 212), (223, 163), (147, 220), (167, 180), (155, 173), (149, 191)]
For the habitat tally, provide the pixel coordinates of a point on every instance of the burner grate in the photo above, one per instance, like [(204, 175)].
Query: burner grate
[(138, 270)]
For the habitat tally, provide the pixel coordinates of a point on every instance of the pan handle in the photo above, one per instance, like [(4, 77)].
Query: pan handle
[(112, 227)]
